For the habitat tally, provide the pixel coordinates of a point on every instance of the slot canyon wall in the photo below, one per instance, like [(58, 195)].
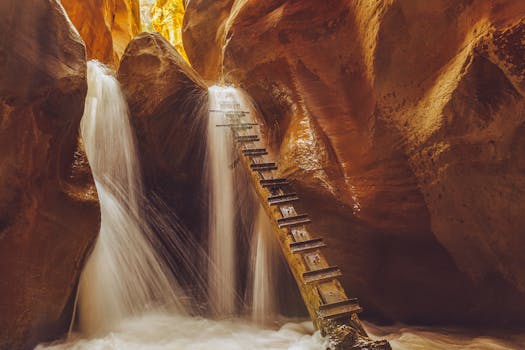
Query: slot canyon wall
[(402, 125), (166, 18), (106, 26), (49, 213)]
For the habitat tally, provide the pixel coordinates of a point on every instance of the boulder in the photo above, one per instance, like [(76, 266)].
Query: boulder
[(168, 102), (401, 124), (49, 214), (106, 26)]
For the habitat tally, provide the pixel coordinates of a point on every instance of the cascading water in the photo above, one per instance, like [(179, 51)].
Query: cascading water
[(221, 242), (227, 105), (127, 288), (264, 259), (123, 275)]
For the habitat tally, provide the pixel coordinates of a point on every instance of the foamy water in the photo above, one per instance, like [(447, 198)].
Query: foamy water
[(162, 331)]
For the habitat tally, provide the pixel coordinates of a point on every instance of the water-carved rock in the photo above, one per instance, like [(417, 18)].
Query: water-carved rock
[(106, 26), (49, 215), (401, 126)]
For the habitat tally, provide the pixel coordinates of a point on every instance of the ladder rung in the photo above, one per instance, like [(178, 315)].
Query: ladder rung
[(351, 301), (230, 105), (254, 152), (263, 166), (295, 220), (321, 274), (304, 246), (228, 111), (343, 312), (274, 182), (247, 138), (237, 125), (241, 127), (282, 199), (339, 309), (235, 114)]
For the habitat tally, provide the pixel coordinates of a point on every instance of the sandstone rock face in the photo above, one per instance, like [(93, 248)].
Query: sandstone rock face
[(106, 26), (167, 100), (401, 124), (166, 18), (49, 214), (203, 35)]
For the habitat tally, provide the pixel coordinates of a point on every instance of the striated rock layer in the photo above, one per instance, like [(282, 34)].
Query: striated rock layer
[(49, 214), (401, 124), (106, 26)]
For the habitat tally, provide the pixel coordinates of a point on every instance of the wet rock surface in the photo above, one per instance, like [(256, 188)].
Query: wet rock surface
[(49, 215), (401, 125)]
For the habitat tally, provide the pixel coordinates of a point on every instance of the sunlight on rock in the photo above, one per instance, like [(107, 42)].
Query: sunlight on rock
[(165, 17), (106, 26)]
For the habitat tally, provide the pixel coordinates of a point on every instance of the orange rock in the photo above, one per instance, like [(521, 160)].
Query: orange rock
[(49, 214), (106, 26), (203, 35), (401, 124), (166, 18)]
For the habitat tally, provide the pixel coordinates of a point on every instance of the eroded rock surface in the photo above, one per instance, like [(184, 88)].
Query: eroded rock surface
[(49, 215), (167, 102), (204, 31), (106, 26), (401, 124)]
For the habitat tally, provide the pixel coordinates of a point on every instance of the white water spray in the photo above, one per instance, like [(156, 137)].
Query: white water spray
[(123, 275), (264, 267), (221, 243), (225, 206)]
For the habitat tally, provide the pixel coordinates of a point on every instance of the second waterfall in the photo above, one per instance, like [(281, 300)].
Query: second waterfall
[(230, 200)]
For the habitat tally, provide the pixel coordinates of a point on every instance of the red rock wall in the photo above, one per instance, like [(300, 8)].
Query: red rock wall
[(203, 31), (401, 124), (106, 26), (49, 214)]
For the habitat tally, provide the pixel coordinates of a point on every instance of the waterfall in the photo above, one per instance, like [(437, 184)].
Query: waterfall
[(127, 289), (124, 276), (227, 104), (263, 269), (221, 243)]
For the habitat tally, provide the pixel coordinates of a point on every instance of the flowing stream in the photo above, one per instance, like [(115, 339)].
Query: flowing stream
[(128, 297)]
